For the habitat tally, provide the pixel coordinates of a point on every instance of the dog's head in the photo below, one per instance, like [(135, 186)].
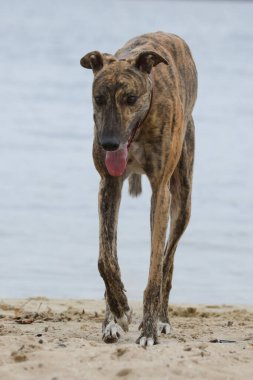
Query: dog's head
[(121, 95)]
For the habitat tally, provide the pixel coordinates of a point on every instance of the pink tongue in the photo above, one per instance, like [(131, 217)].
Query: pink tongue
[(116, 161)]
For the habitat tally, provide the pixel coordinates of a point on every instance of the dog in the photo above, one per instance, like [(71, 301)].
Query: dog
[(143, 98)]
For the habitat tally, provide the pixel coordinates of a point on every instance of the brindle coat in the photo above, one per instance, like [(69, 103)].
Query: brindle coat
[(158, 71)]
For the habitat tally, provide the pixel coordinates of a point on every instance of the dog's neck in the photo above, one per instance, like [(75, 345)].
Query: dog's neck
[(140, 122)]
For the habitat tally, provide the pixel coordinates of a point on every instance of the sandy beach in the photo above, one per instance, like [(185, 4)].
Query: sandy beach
[(49, 339)]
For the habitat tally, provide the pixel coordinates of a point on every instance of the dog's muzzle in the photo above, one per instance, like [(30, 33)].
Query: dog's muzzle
[(110, 143)]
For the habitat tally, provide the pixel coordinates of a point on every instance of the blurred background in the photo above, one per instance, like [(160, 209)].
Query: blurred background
[(48, 184)]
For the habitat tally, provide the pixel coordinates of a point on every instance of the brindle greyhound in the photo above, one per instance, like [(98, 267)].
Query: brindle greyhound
[(143, 97)]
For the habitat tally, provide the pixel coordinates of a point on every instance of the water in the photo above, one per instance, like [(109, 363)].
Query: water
[(48, 187)]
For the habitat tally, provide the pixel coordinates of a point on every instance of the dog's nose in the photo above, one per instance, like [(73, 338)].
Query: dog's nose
[(110, 143)]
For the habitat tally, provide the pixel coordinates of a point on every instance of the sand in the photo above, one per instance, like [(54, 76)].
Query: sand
[(47, 339)]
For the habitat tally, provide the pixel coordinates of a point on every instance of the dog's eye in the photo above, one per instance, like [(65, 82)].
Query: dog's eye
[(100, 100), (131, 99)]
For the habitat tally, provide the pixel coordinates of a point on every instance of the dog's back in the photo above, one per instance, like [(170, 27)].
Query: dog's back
[(177, 79), (181, 69)]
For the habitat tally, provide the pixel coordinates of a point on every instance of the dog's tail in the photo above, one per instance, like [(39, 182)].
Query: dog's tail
[(134, 185)]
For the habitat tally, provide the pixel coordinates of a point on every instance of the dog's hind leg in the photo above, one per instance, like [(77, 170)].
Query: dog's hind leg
[(180, 210), (117, 309)]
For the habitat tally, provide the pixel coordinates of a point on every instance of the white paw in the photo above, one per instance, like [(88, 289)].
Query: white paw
[(144, 341), (163, 328), (125, 320), (111, 332)]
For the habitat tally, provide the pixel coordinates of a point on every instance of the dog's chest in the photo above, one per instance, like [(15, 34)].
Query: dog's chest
[(136, 158)]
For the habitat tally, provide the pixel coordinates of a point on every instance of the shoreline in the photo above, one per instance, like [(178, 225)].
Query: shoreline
[(60, 339)]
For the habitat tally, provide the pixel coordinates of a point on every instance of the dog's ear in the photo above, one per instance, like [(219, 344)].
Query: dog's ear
[(93, 60), (146, 60)]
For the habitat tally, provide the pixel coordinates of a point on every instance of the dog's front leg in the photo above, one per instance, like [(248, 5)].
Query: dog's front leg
[(159, 219), (117, 309)]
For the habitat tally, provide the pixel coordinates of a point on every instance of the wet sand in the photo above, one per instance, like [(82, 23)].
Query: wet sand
[(49, 339)]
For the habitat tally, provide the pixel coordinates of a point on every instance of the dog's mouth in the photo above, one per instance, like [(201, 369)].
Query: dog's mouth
[(116, 161)]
